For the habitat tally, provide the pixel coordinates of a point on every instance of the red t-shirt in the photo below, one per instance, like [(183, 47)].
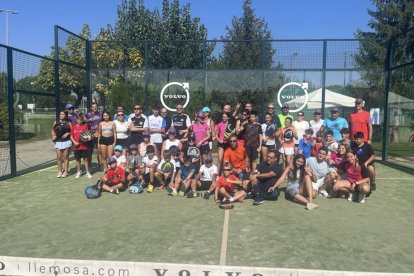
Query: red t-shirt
[(315, 149), (76, 133), (115, 176), (221, 182), (355, 174), (358, 121)]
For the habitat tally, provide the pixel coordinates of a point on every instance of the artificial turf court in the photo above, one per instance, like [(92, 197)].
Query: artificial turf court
[(45, 217)]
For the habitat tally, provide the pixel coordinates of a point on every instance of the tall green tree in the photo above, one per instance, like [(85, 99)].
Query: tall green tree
[(249, 46), (388, 19)]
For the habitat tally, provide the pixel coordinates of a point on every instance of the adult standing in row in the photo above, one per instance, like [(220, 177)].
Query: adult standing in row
[(300, 126), (93, 118), (137, 125), (61, 131), (212, 127), (181, 123), (317, 122), (335, 123), (106, 138), (122, 128), (360, 121), (168, 122), (157, 126), (285, 114)]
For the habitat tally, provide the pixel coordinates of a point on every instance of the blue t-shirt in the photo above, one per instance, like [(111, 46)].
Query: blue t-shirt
[(185, 171), (336, 126), (305, 148)]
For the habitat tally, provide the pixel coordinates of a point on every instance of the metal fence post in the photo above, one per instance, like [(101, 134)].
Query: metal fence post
[(10, 102), (56, 67), (385, 129), (325, 43), (88, 60)]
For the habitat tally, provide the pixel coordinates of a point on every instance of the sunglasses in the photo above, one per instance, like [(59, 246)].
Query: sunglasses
[(301, 115), (233, 141), (317, 114), (227, 170), (120, 114), (270, 108), (137, 108)]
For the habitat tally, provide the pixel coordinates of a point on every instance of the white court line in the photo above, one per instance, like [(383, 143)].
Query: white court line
[(394, 178), (223, 251)]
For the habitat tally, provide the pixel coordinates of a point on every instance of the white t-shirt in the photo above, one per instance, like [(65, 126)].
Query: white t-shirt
[(119, 160), (300, 129), (156, 122), (121, 129), (149, 162), (207, 173), (315, 126)]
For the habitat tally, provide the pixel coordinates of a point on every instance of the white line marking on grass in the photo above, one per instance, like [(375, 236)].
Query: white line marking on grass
[(223, 251), (395, 178)]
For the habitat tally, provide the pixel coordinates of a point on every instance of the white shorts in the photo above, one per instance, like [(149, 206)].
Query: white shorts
[(287, 151), (318, 183)]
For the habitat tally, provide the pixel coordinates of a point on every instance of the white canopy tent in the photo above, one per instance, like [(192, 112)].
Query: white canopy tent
[(315, 100)]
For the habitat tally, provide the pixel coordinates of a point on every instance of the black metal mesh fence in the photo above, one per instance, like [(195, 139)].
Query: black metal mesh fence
[(5, 163)]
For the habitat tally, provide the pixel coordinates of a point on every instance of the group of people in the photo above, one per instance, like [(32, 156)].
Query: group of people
[(256, 153)]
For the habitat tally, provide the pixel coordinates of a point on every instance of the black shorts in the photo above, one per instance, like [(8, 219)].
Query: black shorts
[(270, 147), (222, 145), (204, 149), (122, 142), (251, 152), (134, 139), (204, 185), (81, 154), (107, 141)]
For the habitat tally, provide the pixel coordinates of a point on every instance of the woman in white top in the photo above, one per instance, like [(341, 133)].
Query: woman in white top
[(122, 130), (300, 125), (317, 122)]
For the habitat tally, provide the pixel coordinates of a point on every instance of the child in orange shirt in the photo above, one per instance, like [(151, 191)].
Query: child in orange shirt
[(225, 186)]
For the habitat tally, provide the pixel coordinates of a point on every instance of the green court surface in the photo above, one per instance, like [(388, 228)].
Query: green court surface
[(45, 217)]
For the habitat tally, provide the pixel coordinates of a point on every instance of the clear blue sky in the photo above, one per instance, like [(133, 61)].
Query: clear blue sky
[(32, 28)]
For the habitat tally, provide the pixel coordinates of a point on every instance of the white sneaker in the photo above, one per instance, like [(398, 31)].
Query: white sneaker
[(361, 198), (311, 206), (88, 175), (324, 193), (64, 174), (350, 196), (78, 174), (59, 175)]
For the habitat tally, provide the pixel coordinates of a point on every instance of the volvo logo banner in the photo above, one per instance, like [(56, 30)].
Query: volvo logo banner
[(179, 95), (287, 95)]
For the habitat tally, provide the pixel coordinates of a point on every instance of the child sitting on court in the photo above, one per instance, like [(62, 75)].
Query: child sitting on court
[(365, 154), (150, 161), (120, 158), (184, 178), (225, 187), (190, 149), (135, 167), (165, 171), (114, 178), (206, 178), (81, 148)]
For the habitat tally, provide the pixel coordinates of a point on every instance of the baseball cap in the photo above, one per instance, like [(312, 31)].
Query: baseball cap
[(359, 101), (285, 106), (111, 160), (200, 114), (118, 148), (69, 106), (317, 111), (206, 109), (335, 109), (146, 133)]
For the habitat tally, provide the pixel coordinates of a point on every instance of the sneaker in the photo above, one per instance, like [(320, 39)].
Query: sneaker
[(64, 174), (88, 175), (150, 188), (174, 192), (373, 186), (249, 195), (231, 199), (258, 202), (59, 175), (191, 194), (78, 174), (324, 193), (225, 201), (115, 192), (169, 190), (311, 206), (206, 195), (181, 193), (361, 198), (351, 197)]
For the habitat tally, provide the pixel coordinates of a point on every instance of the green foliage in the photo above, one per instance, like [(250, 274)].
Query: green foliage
[(391, 17), (123, 94)]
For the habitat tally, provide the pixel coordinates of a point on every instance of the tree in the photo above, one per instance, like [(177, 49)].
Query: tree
[(391, 17)]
